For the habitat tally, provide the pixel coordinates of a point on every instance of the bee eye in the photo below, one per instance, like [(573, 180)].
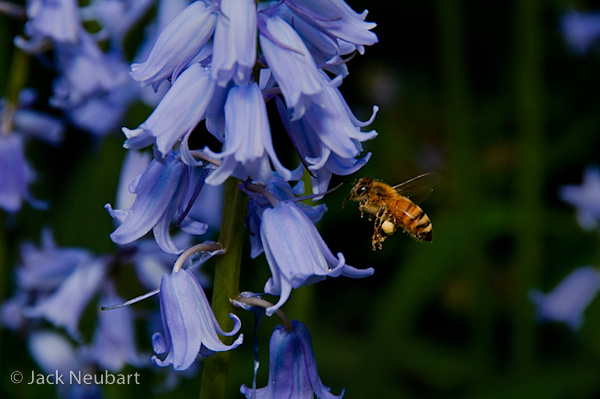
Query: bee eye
[(361, 190)]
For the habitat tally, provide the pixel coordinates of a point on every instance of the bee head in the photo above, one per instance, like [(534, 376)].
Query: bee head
[(359, 190)]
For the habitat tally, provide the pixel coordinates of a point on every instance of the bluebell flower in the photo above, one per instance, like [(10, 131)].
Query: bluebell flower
[(113, 344), (296, 253), (178, 113), (44, 269), (189, 325), (64, 306), (248, 146), (18, 123), (337, 19), (581, 30), (328, 138), (178, 44), (292, 367), (16, 173), (291, 63), (162, 194), (568, 301), (55, 354), (234, 47), (58, 21), (585, 198)]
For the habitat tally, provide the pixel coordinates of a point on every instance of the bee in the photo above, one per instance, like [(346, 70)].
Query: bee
[(395, 207)]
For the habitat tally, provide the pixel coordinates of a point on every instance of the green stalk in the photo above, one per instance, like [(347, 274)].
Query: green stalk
[(530, 145), (225, 286), (463, 156)]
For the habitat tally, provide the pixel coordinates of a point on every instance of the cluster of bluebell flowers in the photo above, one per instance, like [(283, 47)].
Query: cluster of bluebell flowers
[(216, 64)]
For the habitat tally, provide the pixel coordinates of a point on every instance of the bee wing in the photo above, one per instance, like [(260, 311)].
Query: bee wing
[(418, 188)]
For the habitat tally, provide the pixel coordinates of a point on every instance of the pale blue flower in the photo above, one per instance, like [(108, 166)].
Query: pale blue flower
[(248, 147), (328, 138), (189, 324), (55, 20), (296, 253), (585, 198), (569, 299), (15, 173), (291, 63), (234, 47), (64, 307), (178, 113), (292, 367), (44, 269), (177, 45), (113, 345), (162, 195), (581, 29), (337, 19)]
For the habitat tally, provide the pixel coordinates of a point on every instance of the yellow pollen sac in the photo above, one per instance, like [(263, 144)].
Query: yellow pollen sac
[(388, 227)]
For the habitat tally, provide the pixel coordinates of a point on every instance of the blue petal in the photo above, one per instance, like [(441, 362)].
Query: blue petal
[(179, 42), (179, 111), (234, 46)]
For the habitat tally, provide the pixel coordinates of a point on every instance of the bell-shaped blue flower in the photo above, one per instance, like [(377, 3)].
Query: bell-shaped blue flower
[(190, 327), (568, 301), (296, 253), (113, 345), (248, 146), (292, 367), (15, 173), (55, 20), (337, 19), (291, 63), (63, 307), (585, 198), (234, 47), (581, 29), (178, 112), (177, 45), (162, 194)]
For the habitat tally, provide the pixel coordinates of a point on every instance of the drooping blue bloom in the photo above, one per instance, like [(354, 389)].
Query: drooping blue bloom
[(189, 325), (18, 123), (64, 306), (44, 269), (113, 345), (328, 138), (177, 45), (55, 354), (234, 47), (568, 301), (55, 20), (178, 113), (163, 193), (291, 63), (248, 146), (337, 19), (581, 30), (296, 253), (292, 367), (15, 173), (585, 198)]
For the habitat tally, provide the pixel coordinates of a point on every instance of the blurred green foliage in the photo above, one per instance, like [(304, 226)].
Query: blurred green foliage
[(486, 93)]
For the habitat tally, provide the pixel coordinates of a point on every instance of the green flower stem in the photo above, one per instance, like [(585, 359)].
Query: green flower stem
[(530, 146), (226, 286), (463, 155), (19, 70)]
